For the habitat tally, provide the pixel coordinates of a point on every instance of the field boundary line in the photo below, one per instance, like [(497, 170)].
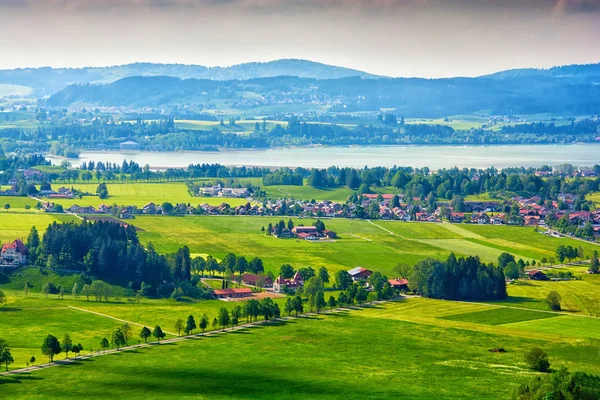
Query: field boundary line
[(115, 318)]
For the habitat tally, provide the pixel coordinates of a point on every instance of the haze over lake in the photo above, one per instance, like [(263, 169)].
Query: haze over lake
[(434, 157)]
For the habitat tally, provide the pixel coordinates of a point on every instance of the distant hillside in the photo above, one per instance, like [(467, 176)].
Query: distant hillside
[(570, 71), (47, 80), (408, 97)]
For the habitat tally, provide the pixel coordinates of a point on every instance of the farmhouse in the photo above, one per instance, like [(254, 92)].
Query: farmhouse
[(252, 279), (311, 233), (537, 275), (281, 284), (235, 293), (14, 253), (400, 284), (359, 273)]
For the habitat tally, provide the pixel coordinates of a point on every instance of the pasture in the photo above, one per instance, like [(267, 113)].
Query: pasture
[(414, 347), (312, 193), (17, 225), (140, 194)]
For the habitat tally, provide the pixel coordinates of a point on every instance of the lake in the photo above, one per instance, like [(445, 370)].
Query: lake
[(434, 157)]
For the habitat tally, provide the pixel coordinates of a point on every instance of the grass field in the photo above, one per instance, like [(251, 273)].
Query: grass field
[(414, 347), (17, 225), (240, 126), (310, 193), (140, 194)]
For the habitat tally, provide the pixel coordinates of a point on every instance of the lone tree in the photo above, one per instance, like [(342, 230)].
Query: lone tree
[(77, 349), (224, 317), (158, 333), (537, 359), (32, 360), (190, 325), (203, 323), (118, 339), (178, 326), (51, 347), (145, 334), (332, 303), (126, 329), (553, 300), (67, 345), (46, 288), (6, 357), (104, 344)]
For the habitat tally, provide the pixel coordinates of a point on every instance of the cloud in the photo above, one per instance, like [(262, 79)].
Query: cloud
[(577, 6)]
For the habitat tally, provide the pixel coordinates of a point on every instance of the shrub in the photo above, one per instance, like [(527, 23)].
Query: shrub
[(553, 300), (537, 359)]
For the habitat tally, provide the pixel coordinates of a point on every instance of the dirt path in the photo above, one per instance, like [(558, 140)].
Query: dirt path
[(381, 227), (115, 318), (171, 340)]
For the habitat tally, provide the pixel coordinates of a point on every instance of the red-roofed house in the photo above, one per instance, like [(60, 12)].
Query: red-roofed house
[(400, 284), (281, 284), (238, 292), (14, 253)]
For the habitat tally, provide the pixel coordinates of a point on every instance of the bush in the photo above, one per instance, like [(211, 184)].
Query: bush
[(537, 359), (553, 300)]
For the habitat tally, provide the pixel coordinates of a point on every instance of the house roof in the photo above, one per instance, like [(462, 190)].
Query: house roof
[(359, 271), (230, 291), (17, 245), (398, 282)]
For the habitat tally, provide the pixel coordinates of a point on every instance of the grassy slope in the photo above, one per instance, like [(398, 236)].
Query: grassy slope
[(415, 353), (17, 225)]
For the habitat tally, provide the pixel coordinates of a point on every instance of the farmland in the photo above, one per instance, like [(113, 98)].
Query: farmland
[(430, 348)]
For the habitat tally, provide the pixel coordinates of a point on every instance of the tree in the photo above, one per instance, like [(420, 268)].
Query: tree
[(224, 319), (323, 274), (298, 305), (594, 264), (331, 302), (504, 259), (537, 359), (6, 357), (289, 306), (561, 384), (343, 299), (117, 338), (236, 314), (7, 207), (47, 288), (51, 347), (67, 345), (86, 291), (286, 271), (203, 323), (553, 300), (126, 329), (75, 291), (190, 325), (2, 297), (215, 323), (320, 301), (77, 349), (178, 326), (511, 270), (158, 333), (102, 191), (145, 334), (402, 270), (32, 360), (343, 280), (104, 344)]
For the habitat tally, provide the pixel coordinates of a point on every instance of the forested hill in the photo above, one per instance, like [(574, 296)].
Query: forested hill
[(583, 71), (50, 80), (413, 97)]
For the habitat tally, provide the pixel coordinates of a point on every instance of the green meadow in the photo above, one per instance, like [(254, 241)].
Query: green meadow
[(413, 348)]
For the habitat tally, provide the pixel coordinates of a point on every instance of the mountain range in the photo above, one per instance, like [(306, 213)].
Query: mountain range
[(46, 80)]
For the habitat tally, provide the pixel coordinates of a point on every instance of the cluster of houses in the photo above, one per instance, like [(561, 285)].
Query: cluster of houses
[(61, 193), (218, 191), (13, 254), (304, 233)]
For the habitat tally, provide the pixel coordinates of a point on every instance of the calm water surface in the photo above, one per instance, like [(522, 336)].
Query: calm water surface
[(434, 157)]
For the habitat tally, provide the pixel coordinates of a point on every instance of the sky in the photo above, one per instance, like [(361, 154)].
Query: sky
[(424, 38)]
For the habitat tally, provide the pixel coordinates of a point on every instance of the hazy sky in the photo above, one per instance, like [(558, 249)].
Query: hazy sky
[(430, 38)]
